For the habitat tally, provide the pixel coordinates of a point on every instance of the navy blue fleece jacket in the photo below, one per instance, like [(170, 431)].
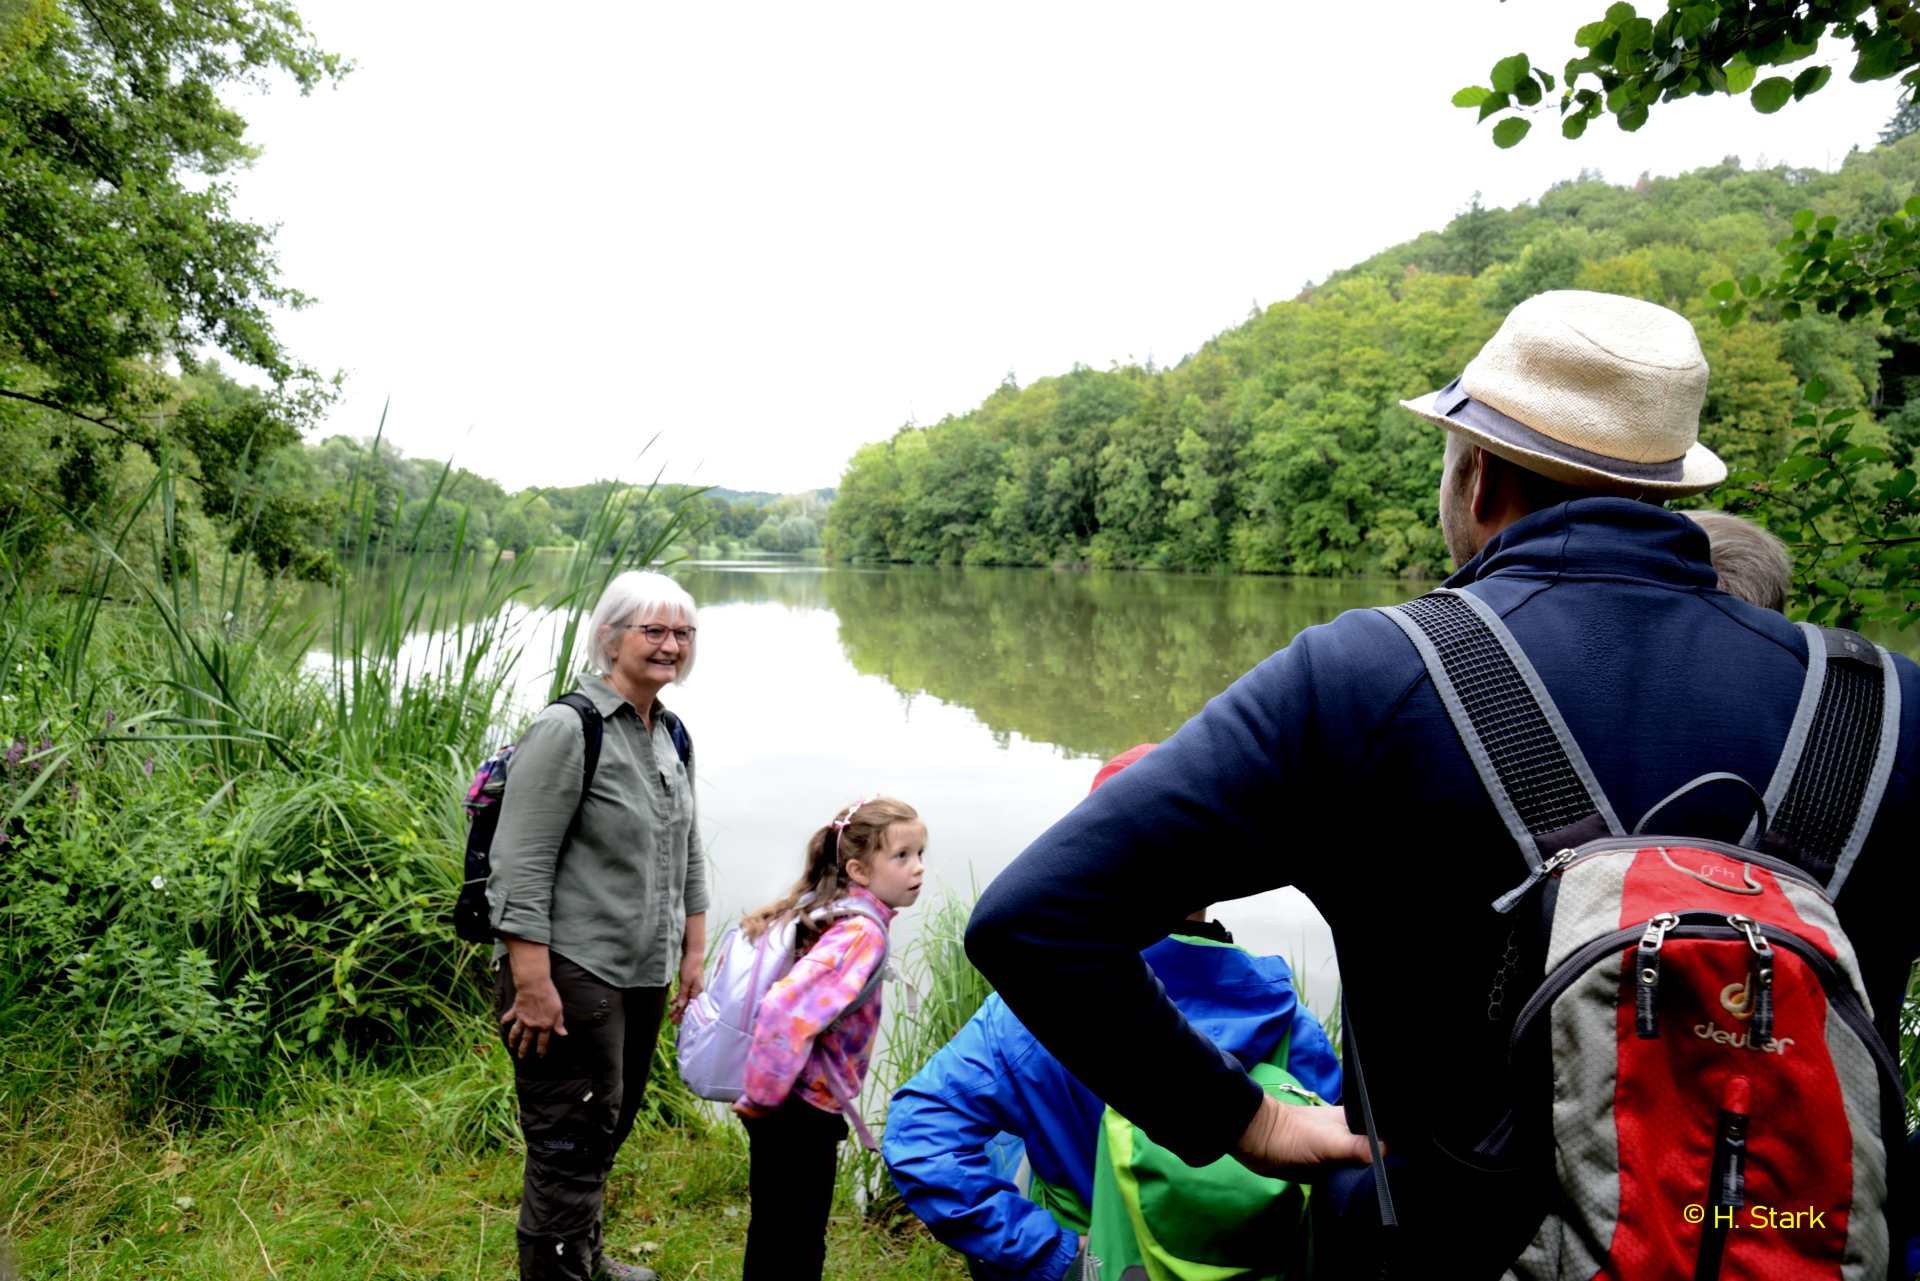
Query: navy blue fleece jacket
[(1332, 766)]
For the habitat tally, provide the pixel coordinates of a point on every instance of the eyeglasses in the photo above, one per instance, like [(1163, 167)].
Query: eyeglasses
[(656, 634)]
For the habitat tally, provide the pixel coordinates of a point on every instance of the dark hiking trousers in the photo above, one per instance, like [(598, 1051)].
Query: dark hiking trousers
[(576, 1108), (790, 1172)]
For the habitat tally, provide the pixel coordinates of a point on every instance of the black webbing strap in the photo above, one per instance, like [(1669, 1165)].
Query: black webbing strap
[(1838, 755), (1351, 1072), (1528, 762), (594, 728)]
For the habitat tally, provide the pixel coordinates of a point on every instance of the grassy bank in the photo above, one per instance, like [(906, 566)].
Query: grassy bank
[(360, 1175)]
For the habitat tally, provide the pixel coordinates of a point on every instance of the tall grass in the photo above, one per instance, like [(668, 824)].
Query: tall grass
[(214, 857), (949, 990)]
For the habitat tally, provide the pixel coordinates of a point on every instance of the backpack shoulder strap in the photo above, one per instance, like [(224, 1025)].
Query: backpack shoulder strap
[(594, 728), (677, 730), (1520, 747), (848, 907), (1839, 752)]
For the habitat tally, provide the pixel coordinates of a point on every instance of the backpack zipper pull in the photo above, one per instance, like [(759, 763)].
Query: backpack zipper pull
[(1760, 1033), (1511, 899), (1646, 1020), (1726, 1178)]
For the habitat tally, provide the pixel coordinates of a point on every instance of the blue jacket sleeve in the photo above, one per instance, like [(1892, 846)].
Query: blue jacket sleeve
[(938, 1125), (1310, 1055)]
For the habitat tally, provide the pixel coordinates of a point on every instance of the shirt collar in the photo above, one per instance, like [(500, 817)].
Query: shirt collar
[(609, 700), (1597, 538), (865, 895)]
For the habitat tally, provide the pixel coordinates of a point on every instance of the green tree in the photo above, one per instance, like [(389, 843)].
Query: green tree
[(122, 251), (1280, 446)]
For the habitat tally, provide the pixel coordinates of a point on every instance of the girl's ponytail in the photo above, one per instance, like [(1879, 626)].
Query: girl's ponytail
[(853, 835)]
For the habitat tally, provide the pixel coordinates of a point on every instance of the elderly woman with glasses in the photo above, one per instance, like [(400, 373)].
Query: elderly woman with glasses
[(599, 896)]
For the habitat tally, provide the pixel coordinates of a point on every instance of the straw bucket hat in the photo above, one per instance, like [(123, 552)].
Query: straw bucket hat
[(1595, 390)]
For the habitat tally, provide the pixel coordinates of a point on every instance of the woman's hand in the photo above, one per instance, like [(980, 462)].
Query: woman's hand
[(751, 1112), (536, 1015), (1288, 1142), (693, 981), (693, 978)]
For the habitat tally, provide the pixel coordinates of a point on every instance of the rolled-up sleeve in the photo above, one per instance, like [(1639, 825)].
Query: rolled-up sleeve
[(543, 791)]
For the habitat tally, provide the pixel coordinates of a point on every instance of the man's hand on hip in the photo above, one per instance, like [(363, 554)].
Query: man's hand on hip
[(1288, 1142)]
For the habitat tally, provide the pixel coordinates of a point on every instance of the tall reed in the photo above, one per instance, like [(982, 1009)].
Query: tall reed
[(213, 853), (950, 991)]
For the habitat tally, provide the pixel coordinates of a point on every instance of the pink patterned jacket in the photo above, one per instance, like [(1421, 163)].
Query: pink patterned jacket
[(789, 1054)]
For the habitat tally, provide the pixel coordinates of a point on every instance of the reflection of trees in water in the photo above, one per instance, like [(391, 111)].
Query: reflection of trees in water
[(791, 583), (1091, 661)]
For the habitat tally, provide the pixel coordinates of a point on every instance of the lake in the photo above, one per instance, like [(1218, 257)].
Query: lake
[(985, 698)]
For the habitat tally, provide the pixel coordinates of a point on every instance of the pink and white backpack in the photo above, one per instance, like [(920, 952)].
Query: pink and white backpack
[(717, 1030)]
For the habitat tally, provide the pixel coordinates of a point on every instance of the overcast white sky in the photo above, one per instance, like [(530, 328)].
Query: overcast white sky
[(769, 233)]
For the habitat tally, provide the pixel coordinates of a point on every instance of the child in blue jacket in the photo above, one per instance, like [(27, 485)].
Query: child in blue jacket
[(995, 1078)]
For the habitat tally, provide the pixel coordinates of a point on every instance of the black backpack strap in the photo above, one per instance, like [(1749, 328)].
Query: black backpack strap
[(1839, 753), (1351, 1073), (677, 730), (595, 729), (1520, 747)]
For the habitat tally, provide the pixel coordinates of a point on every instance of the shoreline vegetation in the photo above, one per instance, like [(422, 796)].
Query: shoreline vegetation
[(237, 1035)]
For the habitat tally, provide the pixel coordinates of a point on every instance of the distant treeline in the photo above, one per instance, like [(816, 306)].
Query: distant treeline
[(246, 482), (1279, 446), (418, 510)]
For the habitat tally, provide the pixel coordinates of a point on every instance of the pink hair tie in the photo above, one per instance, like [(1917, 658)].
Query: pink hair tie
[(840, 823)]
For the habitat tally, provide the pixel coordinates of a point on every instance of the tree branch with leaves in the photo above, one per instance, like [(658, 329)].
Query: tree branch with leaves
[(1697, 48)]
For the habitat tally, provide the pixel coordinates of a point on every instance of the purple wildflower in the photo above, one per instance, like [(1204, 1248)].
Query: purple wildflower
[(16, 751), (148, 767), (109, 724)]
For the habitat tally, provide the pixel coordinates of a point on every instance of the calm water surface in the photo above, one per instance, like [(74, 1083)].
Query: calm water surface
[(985, 698)]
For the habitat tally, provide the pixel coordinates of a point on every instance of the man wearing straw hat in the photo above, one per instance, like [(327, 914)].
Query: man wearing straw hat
[(1334, 766)]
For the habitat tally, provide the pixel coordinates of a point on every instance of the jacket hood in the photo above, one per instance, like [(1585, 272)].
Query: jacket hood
[(1244, 1003)]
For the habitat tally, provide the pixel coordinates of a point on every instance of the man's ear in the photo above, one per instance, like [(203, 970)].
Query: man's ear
[(1486, 482), (857, 873)]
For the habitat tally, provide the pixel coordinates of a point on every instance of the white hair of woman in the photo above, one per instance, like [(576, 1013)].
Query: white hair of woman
[(637, 595), (1752, 563)]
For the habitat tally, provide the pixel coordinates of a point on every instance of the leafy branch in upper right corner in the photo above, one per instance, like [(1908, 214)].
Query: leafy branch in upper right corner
[(1701, 47)]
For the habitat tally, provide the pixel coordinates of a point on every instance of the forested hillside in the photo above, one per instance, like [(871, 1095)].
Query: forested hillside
[(1279, 446)]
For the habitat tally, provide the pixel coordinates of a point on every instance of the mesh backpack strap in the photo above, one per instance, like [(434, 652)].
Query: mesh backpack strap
[(1520, 747), (1839, 752)]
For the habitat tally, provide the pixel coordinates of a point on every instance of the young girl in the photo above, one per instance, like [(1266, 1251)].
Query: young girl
[(870, 857)]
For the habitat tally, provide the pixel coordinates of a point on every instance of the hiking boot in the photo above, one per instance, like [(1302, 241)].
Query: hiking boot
[(614, 1270)]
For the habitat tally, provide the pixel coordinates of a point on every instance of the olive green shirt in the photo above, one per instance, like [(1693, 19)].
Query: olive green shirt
[(615, 898)]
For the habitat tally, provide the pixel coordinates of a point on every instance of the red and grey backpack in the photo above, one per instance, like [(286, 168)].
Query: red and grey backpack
[(1721, 1103)]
